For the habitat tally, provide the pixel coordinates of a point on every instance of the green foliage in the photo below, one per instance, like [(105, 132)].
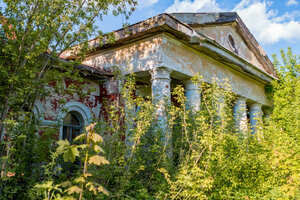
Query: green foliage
[(286, 93), (284, 127), (83, 184), (209, 159), (34, 34)]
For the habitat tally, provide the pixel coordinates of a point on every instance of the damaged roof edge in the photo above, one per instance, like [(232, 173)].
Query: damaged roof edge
[(167, 23), (246, 67), (223, 18)]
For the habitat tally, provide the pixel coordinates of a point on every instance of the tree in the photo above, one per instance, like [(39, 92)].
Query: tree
[(34, 33), (283, 129)]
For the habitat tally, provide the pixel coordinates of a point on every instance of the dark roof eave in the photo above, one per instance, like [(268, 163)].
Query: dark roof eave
[(93, 72), (90, 71)]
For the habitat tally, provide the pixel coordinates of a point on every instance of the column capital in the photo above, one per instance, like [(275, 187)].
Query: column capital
[(160, 73), (256, 106), (241, 99), (193, 95), (190, 85)]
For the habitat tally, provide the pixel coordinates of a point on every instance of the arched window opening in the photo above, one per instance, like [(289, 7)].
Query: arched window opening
[(232, 44), (72, 126)]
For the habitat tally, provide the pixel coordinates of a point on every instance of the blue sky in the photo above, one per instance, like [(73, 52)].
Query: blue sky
[(274, 23)]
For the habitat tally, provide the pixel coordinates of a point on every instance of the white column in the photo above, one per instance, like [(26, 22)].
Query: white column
[(193, 95), (161, 94), (255, 116), (240, 115)]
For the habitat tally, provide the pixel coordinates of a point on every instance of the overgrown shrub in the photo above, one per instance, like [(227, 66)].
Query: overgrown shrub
[(209, 159)]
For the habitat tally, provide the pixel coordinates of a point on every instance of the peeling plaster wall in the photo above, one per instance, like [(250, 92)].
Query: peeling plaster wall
[(142, 56), (163, 50), (186, 60), (50, 106), (221, 33)]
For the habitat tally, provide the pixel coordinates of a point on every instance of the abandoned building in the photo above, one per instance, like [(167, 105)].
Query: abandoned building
[(170, 48)]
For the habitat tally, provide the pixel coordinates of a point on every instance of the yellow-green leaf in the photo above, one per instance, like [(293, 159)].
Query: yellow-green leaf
[(82, 146), (101, 189), (86, 175), (73, 189), (90, 128), (98, 160), (92, 188), (96, 138), (79, 180), (98, 149), (63, 142), (80, 137)]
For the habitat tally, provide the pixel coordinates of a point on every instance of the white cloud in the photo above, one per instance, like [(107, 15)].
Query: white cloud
[(146, 3), (194, 6), (287, 16), (264, 23), (291, 2)]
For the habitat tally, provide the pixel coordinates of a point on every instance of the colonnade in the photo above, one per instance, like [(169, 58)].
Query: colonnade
[(161, 94)]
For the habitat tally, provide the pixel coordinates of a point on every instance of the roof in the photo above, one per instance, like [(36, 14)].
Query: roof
[(220, 18), (182, 29), (90, 72)]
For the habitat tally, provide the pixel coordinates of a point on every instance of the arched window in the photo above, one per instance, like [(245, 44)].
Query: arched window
[(72, 126), (73, 117), (232, 44)]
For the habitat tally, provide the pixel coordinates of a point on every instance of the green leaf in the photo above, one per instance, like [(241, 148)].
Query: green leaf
[(98, 160), (65, 184), (67, 198), (46, 185), (71, 154), (63, 143)]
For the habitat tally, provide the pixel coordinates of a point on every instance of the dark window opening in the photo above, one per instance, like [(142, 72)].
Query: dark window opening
[(232, 43), (72, 126)]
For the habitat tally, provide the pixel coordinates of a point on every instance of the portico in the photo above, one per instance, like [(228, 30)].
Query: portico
[(171, 48)]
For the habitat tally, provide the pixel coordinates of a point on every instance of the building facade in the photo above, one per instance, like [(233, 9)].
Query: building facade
[(166, 50)]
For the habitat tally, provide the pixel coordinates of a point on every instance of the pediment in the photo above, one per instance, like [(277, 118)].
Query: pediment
[(229, 31)]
